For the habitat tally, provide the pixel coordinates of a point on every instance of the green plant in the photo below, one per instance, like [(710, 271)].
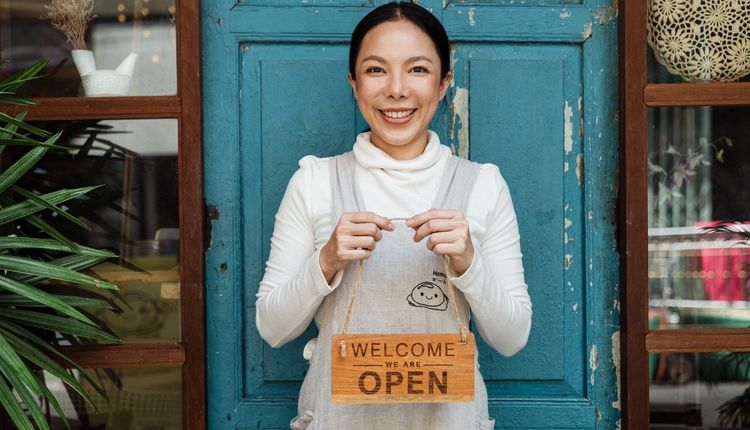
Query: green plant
[(35, 260)]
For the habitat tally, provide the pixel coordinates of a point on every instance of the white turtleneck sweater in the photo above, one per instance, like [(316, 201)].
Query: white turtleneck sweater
[(293, 285)]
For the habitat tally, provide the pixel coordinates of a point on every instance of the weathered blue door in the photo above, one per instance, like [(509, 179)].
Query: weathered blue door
[(535, 92)]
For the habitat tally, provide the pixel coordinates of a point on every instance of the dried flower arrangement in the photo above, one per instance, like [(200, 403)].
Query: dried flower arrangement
[(72, 17)]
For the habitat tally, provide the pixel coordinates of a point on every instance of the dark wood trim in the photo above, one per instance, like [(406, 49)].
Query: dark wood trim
[(191, 215), (633, 214), (709, 94), (126, 355), (69, 108), (698, 340)]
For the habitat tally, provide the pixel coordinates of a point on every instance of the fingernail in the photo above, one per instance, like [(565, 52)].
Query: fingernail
[(408, 222), (391, 226)]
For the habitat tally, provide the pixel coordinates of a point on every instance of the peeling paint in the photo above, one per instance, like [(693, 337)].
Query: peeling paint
[(587, 28), (616, 364), (565, 14), (472, 21), (568, 112), (460, 110), (616, 305), (593, 361), (567, 223), (453, 62), (568, 260), (566, 167), (575, 307), (566, 239), (591, 215), (579, 169), (606, 13)]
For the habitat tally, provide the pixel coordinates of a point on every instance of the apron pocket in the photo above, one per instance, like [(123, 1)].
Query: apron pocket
[(485, 423), (301, 422)]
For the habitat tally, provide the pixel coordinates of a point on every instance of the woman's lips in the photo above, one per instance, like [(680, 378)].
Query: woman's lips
[(397, 116)]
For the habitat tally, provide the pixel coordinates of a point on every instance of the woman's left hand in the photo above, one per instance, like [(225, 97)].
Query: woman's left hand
[(449, 235)]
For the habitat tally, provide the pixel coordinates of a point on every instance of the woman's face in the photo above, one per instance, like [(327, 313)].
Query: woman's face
[(398, 86)]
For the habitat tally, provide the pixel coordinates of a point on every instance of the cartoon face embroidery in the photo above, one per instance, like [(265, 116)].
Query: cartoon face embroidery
[(428, 295)]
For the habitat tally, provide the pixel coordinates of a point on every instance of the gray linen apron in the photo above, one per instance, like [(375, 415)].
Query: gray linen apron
[(390, 300)]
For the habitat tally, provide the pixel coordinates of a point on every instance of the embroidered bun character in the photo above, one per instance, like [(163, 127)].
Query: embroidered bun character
[(428, 295)]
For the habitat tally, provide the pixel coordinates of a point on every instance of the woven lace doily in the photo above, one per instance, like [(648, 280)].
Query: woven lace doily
[(701, 40)]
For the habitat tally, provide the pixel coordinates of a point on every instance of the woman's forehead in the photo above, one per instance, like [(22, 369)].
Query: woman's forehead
[(397, 40)]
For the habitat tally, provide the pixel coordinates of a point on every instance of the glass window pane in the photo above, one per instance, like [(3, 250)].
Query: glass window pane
[(698, 41), (120, 27), (699, 163), (137, 398), (134, 213), (700, 390)]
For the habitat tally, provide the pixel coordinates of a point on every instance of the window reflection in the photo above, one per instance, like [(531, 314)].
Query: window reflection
[(134, 213), (700, 390), (699, 265), (121, 27)]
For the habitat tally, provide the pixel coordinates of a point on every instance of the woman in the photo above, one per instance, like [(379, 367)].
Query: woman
[(378, 203)]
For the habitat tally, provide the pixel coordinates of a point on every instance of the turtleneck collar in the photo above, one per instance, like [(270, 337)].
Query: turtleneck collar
[(370, 156)]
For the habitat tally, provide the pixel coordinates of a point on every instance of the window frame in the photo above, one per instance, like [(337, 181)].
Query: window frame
[(185, 107), (636, 97)]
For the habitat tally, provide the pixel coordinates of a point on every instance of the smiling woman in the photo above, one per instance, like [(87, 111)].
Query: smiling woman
[(338, 210)]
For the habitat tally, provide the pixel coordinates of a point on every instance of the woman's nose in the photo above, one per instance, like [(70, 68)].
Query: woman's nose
[(397, 86)]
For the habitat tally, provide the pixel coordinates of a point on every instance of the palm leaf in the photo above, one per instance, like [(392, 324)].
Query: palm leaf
[(22, 380), (29, 266), (28, 207), (35, 198), (60, 324), (41, 297), (71, 262), (44, 362), (16, 413), (23, 125), (16, 300), (14, 172), (14, 242), (13, 82), (42, 345)]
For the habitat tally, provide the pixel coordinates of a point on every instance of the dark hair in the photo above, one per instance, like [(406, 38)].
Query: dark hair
[(411, 12)]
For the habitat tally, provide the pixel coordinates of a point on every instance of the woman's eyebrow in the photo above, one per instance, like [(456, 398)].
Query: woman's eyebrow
[(410, 60)]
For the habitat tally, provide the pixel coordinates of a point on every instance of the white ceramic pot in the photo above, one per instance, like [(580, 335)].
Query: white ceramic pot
[(98, 83)]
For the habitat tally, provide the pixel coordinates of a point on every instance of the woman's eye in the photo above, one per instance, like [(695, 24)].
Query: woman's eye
[(374, 70), (419, 69)]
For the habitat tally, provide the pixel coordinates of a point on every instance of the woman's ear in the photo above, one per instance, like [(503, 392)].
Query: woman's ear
[(353, 83), (446, 82)]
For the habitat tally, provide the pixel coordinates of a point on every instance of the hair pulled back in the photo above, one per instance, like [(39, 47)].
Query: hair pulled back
[(401, 11)]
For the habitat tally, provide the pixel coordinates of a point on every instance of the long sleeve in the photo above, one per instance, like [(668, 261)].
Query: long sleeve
[(293, 285), (494, 284)]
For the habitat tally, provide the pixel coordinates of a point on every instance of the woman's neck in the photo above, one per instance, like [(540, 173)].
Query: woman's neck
[(401, 152)]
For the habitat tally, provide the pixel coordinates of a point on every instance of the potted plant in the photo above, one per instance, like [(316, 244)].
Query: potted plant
[(34, 257), (72, 18)]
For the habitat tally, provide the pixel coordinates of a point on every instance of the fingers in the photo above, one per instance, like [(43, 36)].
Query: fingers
[(417, 220), (368, 217)]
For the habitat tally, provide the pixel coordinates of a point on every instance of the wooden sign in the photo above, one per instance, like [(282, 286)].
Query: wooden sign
[(402, 368)]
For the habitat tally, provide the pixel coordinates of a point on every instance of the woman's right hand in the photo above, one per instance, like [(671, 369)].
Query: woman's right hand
[(353, 238)]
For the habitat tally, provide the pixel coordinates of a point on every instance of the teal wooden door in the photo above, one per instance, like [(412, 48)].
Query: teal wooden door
[(535, 92)]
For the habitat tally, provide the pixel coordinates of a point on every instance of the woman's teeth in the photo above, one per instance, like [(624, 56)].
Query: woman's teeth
[(398, 114)]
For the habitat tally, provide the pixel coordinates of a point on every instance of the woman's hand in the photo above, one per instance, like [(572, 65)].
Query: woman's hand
[(449, 235), (353, 238)]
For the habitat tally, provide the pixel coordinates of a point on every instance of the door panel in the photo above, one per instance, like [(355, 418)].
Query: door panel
[(530, 77)]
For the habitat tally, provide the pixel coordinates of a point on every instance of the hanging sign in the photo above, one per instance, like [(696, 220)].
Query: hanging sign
[(402, 368)]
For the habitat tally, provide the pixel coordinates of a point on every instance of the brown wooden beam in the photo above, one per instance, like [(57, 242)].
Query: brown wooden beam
[(698, 340), (191, 215), (70, 108), (708, 94), (126, 355), (633, 214)]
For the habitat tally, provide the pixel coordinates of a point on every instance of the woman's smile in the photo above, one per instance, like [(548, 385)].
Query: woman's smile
[(397, 116)]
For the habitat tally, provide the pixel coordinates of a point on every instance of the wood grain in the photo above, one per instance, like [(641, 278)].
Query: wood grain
[(71, 108), (707, 94), (698, 340), (402, 368)]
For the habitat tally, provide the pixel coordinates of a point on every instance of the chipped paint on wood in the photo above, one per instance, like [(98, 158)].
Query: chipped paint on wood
[(566, 166), (579, 169), (460, 119), (616, 364), (575, 307), (567, 223), (568, 128), (565, 14), (593, 362), (606, 13), (568, 260), (587, 29), (472, 20)]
